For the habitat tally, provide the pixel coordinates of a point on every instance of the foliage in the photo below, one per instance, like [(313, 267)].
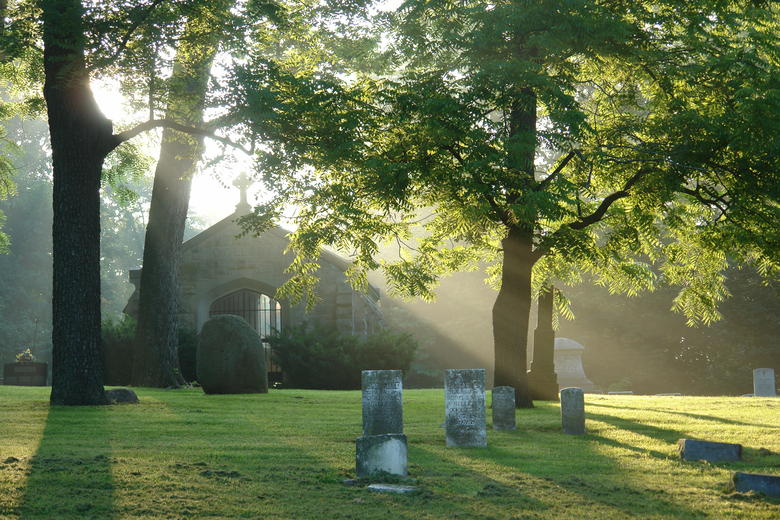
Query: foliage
[(317, 356), (188, 347), (294, 449), (118, 336), (25, 355), (619, 139), (117, 346)]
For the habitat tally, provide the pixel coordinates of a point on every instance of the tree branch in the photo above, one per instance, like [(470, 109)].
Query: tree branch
[(130, 30), (599, 213), (501, 214), (547, 180), (121, 137)]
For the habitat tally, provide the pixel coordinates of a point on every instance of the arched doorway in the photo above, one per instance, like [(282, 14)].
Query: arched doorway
[(262, 312)]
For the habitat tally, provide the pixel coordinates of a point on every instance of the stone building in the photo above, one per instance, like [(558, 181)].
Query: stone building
[(223, 274)]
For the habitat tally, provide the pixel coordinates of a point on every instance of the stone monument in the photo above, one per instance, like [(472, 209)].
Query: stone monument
[(504, 408), (542, 381), (382, 402), (573, 411), (764, 382), (382, 448), (568, 365), (464, 404)]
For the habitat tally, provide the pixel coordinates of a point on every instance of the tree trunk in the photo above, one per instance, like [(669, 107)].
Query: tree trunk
[(155, 360), (80, 141), (511, 311)]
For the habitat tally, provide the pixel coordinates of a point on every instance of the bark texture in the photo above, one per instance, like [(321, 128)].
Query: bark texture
[(81, 137), (512, 307), (510, 316), (156, 361)]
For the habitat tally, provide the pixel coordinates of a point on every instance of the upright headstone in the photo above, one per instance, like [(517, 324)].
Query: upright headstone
[(504, 408), (382, 448), (764, 382), (464, 404), (382, 402), (573, 411)]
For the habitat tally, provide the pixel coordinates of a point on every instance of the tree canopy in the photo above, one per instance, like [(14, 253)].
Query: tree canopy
[(634, 141)]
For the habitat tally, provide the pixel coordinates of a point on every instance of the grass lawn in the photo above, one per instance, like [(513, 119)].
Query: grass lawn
[(183, 454)]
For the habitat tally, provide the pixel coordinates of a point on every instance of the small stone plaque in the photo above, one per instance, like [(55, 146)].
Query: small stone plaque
[(769, 485), (573, 411), (764, 382), (377, 454), (690, 449), (464, 406), (392, 488), (382, 402), (504, 408)]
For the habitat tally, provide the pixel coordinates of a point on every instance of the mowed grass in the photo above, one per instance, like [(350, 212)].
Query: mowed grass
[(183, 454)]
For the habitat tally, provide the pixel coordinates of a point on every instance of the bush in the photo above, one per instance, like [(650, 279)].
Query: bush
[(230, 357), (188, 346), (118, 345), (320, 357)]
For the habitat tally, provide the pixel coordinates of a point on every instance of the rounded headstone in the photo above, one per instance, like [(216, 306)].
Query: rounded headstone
[(230, 357), (573, 411), (504, 408)]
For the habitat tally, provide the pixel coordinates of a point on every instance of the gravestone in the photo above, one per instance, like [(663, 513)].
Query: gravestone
[(769, 485), (573, 411), (378, 454), (764, 382), (382, 402), (568, 365), (464, 406), (504, 408), (691, 449)]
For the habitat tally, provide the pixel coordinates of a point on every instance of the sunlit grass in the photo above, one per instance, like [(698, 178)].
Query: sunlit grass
[(182, 454)]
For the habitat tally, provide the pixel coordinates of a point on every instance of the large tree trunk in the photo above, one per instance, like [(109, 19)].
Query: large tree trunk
[(156, 361), (512, 307), (80, 140), (511, 312)]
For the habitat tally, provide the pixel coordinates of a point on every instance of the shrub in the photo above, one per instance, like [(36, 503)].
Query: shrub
[(320, 357), (230, 357), (117, 345), (188, 346)]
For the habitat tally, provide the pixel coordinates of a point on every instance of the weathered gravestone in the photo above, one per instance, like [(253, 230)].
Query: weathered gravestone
[(464, 406), (573, 411), (769, 485), (764, 382), (382, 448), (382, 402), (378, 454), (230, 357), (690, 449), (504, 408)]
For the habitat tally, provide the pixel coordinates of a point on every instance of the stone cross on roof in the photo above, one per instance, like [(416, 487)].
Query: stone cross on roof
[(242, 182)]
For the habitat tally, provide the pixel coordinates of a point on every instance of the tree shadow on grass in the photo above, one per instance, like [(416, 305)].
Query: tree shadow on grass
[(69, 477), (601, 481), (710, 418)]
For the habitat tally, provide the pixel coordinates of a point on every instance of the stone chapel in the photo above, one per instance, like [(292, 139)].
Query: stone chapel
[(222, 273)]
